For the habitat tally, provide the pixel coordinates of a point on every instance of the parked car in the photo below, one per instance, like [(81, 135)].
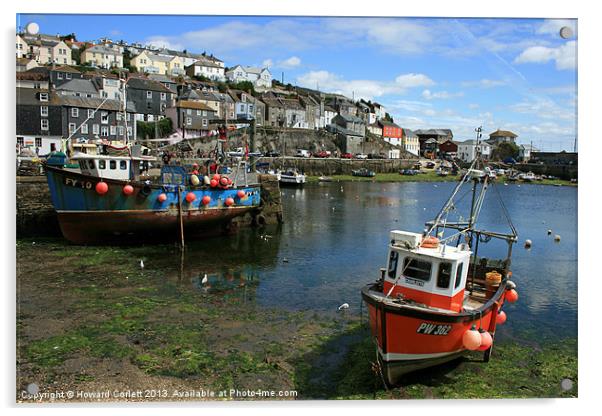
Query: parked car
[(303, 153), (322, 154), (361, 156), (347, 156), (272, 153), (410, 172), (375, 156)]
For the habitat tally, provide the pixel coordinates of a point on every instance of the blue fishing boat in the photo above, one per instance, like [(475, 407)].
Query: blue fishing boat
[(106, 199)]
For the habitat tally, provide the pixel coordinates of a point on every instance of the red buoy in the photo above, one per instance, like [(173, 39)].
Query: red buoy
[(229, 201), (213, 183), (162, 197), (486, 340), (206, 199), (511, 295), (128, 190), (223, 181), (102, 188), (500, 318), (190, 196), (216, 177), (471, 339), (241, 194)]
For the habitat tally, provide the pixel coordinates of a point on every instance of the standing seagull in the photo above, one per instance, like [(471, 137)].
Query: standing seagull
[(141, 264), (204, 279)]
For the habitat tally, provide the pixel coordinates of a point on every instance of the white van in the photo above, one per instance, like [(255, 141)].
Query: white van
[(302, 153)]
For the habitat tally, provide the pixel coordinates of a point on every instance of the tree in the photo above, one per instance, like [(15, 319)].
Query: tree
[(505, 150), (146, 130), (388, 118)]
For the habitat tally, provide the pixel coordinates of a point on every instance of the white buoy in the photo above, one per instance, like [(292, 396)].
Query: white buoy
[(528, 243), (141, 264), (344, 306), (204, 279), (557, 238)]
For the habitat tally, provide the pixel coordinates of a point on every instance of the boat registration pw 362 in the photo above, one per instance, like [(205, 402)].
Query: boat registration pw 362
[(433, 329)]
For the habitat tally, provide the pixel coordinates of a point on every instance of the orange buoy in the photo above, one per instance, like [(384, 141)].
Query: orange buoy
[(213, 183), (216, 177), (486, 340), (190, 197), (229, 201), (511, 295), (128, 189), (206, 199), (223, 181), (430, 242), (162, 197), (102, 188), (241, 194), (501, 318), (471, 339)]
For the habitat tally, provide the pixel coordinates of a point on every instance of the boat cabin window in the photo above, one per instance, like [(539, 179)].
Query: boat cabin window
[(123, 165), (458, 275), (82, 164), (112, 164), (444, 276), (102, 164), (393, 257), (417, 269), (91, 164)]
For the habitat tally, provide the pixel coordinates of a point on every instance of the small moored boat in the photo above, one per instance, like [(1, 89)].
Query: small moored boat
[(363, 172), (292, 177)]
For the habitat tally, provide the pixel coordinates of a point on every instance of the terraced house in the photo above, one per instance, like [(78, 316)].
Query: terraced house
[(150, 98), (102, 56), (44, 49), (152, 63), (192, 118)]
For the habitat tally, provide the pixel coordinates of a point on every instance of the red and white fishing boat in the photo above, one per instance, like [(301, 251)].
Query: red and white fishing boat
[(436, 298)]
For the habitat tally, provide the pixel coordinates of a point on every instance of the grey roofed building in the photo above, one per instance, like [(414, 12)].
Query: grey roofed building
[(103, 49), (84, 102), (146, 84), (76, 86), (189, 94), (351, 118)]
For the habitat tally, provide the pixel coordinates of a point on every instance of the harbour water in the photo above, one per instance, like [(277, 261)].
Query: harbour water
[(261, 307)]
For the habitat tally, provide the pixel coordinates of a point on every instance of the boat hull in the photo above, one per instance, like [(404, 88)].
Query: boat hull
[(410, 338), (85, 217)]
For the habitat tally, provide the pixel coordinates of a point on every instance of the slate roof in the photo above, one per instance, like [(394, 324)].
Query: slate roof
[(39, 73), (102, 49), (78, 85), (350, 119), (194, 105), (29, 96), (146, 84), (502, 133)]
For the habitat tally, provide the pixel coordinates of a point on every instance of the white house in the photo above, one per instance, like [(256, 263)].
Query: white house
[(467, 150), (207, 68), (260, 77), (525, 150), (379, 111)]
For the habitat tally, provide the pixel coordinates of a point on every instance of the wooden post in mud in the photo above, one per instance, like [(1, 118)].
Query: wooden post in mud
[(180, 217)]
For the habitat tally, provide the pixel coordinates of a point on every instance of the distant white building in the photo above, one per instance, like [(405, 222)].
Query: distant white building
[(525, 150), (467, 150), (208, 68), (260, 77)]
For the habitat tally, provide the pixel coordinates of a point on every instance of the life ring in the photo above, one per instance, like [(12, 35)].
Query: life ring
[(430, 242)]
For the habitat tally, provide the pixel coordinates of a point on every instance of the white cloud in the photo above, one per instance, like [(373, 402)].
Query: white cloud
[(544, 108), (268, 63), (164, 42), (565, 55), (473, 106), (289, 63), (362, 88), (441, 95), (553, 26)]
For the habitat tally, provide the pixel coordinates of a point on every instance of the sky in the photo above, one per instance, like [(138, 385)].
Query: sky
[(511, 74)]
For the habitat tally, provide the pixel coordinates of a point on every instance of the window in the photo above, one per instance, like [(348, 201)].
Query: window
[(188, 121), (458, 275), (71, 127), (90, 113), (204, 113), (38, 142), (59, 75), (198, 112), (130, 131), (188, 111), (118, 116), (393, 258), (121, 130), (83, 164), (102, 164), (113, 130), (91, 164), (105, 94), (20, 141), (123, 165), (417, 269), (95, 129), (44, 111), (149, 95), (43, 96), (84, 128), (204, 122), (163, 96), (75, 112), (44, 125), (444, 276), (67, 76), (112, 164), (104, 117), (104, 131)]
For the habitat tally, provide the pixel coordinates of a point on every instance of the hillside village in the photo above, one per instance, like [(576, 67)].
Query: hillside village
[(68, 88)]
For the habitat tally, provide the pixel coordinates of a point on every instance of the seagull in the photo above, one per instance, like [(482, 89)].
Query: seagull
[(204, 279), (344, 306), (285, 260), (141, 264)]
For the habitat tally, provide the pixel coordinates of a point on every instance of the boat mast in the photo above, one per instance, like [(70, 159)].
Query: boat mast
[(124, 107), (471, 220)]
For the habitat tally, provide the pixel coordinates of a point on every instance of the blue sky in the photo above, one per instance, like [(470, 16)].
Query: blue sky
[(514, 74)]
